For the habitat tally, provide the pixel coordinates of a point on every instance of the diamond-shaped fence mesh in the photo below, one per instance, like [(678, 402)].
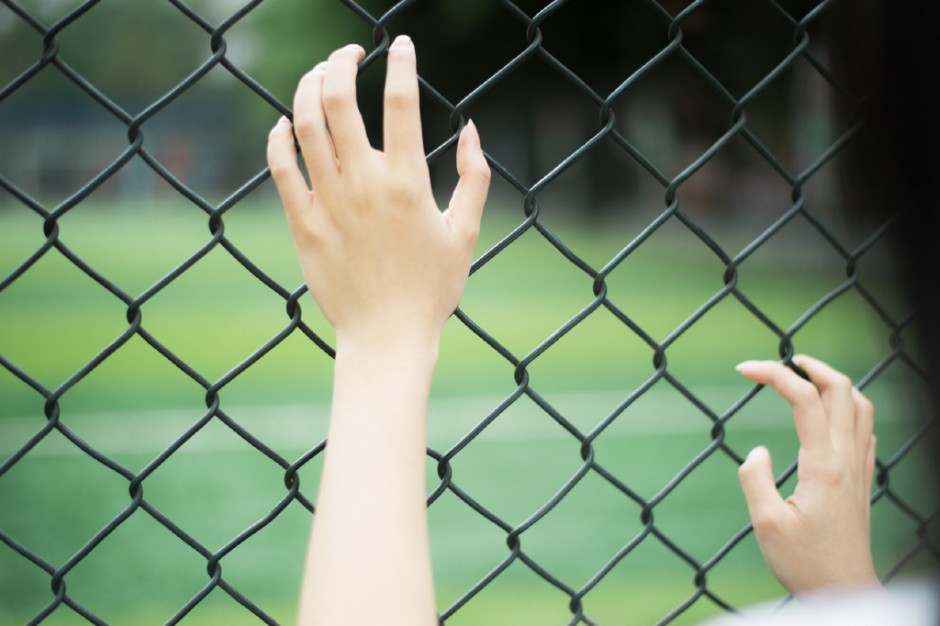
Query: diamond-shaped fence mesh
[(165, 384)]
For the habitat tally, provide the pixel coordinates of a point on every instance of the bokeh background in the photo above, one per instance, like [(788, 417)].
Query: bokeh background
[(616, 134)]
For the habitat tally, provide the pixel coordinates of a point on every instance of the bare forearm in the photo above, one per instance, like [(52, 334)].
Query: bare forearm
[(387, 268), (368, 557)]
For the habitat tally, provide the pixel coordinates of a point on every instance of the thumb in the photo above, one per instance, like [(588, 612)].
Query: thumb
[(466, 204), (757, 481)]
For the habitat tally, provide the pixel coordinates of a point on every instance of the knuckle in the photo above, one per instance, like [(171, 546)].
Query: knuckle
[(841, 382), (470, 234), (306, 128), (747, 472), (279, 167), (765, 522), (402, 192), (335, 97), (279, 170), (806, 395), (833, 472), (401, 99), (358, 190), (357, 198), (865, 405), (311, 77), (298, 223), (280, 136), (404, 179), (480, 170), (483, 171), (306, 238)]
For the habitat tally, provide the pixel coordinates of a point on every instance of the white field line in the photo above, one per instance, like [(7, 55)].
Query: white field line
[(296, 428)]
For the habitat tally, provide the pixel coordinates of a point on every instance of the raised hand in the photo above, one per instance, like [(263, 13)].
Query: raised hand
[(819, 537), (376, 252)]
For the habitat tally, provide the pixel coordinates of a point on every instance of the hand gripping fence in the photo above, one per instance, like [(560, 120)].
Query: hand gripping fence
[(65, 602)]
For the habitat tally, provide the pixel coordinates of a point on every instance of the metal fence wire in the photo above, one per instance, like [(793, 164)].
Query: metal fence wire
[(65, 602)]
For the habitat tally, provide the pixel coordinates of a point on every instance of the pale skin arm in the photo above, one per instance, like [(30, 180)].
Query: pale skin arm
[(387, 268), (819, 538)]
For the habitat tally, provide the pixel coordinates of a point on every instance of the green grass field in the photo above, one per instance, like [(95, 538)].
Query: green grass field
[(54, 319)]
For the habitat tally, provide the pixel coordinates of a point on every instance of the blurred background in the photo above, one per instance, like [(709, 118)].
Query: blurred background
[(56, 137), (668, 200)]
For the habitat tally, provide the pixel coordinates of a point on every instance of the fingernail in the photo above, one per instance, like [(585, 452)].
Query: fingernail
[(320, 67), (283, 120), (402, 41), (746, 366)]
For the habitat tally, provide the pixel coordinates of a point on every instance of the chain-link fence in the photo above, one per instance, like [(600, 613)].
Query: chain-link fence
[(599, 460)]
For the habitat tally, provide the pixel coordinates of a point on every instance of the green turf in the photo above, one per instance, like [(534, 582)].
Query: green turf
[(53, 320), (57, 501), (56, 319)]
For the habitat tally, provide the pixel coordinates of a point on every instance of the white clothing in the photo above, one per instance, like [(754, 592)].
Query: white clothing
[(907, 604)]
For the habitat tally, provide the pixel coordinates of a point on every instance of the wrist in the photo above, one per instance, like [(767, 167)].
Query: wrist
[(385, 374), (390, 336), (398, 342)]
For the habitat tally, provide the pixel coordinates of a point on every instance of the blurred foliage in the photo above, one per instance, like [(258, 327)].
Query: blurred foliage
[(142, 46), (533, 118), (596, 38), (125, 57)]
